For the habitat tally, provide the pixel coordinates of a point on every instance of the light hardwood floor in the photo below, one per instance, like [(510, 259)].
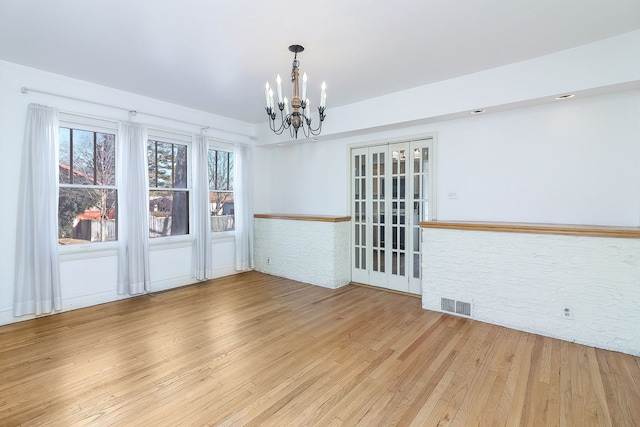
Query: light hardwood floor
[(254, 349)]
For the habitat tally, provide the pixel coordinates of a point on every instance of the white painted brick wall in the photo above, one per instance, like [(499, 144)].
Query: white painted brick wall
[(314, 252), (523, 281)]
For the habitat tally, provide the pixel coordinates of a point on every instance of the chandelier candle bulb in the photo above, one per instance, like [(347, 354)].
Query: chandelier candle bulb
[(271, 98), (279, 84), (304, 86), (286, 106), (266, 94), (323, 94)]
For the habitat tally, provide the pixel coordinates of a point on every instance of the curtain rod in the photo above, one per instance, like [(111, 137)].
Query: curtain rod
[(132, 112)]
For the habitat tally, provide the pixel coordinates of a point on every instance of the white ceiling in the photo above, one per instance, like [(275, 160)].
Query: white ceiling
[(216, 56)]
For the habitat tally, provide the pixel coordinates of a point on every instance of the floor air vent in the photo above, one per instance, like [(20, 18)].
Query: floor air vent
[(458, 307), (447, 305), (463, 308)]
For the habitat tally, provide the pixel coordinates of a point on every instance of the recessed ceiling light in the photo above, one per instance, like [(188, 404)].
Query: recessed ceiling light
[(571, 95), (477, 111)]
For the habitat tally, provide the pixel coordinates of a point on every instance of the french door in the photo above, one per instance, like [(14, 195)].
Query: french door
[(391, 189)]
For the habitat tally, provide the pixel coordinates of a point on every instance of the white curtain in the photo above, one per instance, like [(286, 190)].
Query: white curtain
[(133, 210), (243, 207), (201, 216), (37, 277)]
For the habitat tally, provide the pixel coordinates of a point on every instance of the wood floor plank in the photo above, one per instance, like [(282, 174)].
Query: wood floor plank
[(553, 414), (254, 349)]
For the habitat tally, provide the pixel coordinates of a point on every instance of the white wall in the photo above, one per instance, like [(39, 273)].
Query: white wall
[(307, 178), (309, 251), (571, 162), (524, 281), (89, 277)]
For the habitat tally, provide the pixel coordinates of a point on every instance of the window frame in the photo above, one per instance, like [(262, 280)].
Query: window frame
[(170, 137), (94, 125), (229, 148)]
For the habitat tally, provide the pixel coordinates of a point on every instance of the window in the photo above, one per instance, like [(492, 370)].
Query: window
[(221, 190), (168, 188), (88, 193)]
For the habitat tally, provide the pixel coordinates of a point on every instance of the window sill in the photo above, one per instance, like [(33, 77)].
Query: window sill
[(88, 250), (217, 236), (99, 250), (161, 243)]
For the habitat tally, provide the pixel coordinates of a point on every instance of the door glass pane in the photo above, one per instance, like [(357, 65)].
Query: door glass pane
[(375, 260), (394, 159), (394, 263), (417, 164)]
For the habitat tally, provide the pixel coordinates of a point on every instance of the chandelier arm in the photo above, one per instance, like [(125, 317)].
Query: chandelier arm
[(284, 122), (315, 132), (273, 128)]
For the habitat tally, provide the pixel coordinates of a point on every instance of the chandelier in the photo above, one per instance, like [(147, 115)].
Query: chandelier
[(301, 115)]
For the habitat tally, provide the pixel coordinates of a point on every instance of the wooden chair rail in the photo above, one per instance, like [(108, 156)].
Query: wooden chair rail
[(561, 229), (319, 218)]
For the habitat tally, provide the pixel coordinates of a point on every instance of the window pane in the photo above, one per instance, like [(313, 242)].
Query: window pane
[(65, 155), (222, 210), (86, 158), (86, 215), (82, 161), (153, 165), (164, 159), (169, 213), (105, 159), (179, 166), (220, 170), (167, 165)]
